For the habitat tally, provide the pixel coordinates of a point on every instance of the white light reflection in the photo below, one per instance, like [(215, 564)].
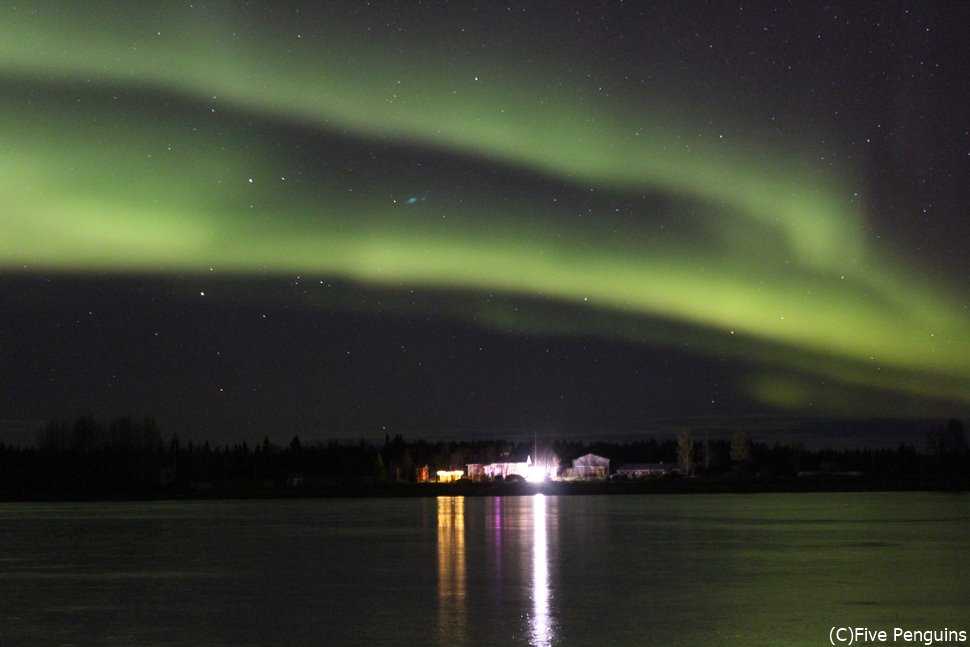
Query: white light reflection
[(540, 625)]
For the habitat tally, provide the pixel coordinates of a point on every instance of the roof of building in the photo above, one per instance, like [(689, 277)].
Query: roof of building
[(590, 460)]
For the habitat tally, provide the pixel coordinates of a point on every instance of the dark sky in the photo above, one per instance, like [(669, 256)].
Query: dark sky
[(441, 219)]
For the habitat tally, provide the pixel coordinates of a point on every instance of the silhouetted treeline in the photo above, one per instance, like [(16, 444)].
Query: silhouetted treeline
[(133, 459)]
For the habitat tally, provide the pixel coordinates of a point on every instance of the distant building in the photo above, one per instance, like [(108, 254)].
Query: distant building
[(591, 466), (504, 470), (449, 476), (646, 470), (421, 474), (496, 471), (501, 471)]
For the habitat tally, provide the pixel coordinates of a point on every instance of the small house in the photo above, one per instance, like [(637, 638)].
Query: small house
[(591, 466), (646, 470)]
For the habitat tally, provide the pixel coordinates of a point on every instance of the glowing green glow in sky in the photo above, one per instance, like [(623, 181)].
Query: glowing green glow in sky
[(777, 251)]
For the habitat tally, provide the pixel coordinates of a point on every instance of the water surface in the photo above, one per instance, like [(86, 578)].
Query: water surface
[(756, 569)]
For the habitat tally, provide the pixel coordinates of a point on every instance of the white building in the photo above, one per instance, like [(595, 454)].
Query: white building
[(501, 471), (591, 466)]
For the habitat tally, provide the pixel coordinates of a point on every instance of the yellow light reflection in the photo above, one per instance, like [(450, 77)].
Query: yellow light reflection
[(451, 570), (540, 626)]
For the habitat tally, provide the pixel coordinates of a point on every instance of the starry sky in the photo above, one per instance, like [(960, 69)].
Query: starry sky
[(347, 219)]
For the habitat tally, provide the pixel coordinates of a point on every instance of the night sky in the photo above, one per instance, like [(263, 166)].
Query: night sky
[(346, 219)]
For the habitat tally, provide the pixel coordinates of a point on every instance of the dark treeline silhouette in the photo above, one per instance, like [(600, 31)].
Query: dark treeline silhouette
[(129, 458)]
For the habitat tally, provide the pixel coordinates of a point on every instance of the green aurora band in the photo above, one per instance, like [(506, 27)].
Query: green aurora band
[(778, 273)]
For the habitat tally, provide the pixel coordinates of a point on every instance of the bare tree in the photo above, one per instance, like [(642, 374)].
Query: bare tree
[(707, 452), (741, 448), (685, 450)]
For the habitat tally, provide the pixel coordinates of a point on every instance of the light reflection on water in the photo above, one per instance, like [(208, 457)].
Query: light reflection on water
[(452, 607), (519, 528), (539, 624)]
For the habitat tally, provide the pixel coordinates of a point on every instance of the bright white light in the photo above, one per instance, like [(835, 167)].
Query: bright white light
[(535, 474)]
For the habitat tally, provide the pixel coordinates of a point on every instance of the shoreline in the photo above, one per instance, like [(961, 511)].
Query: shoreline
[(235, 490)]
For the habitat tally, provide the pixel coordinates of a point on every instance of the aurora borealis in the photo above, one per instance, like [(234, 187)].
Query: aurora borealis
[(777, 197)]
